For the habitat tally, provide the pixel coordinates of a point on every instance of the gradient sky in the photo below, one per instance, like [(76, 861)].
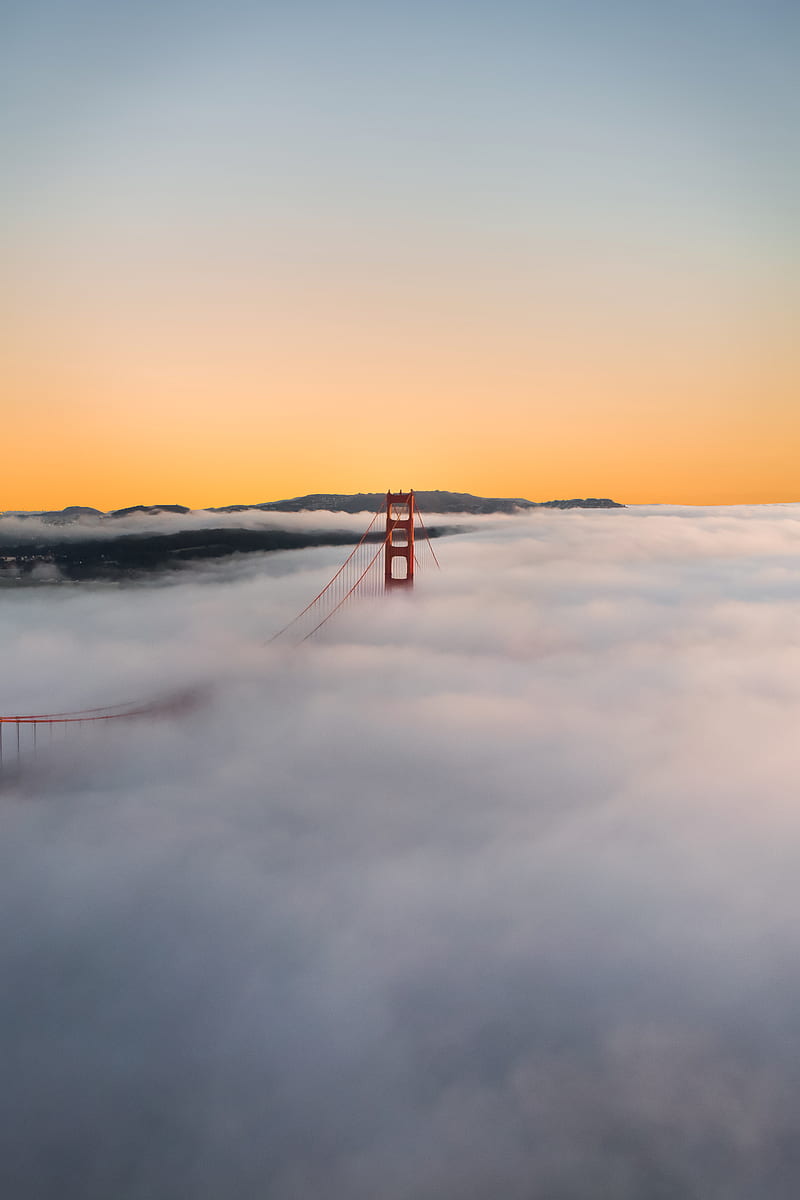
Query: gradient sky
[(258, 249)]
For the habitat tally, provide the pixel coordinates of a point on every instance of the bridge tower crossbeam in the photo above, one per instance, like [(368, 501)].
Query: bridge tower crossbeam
[(399, 545)]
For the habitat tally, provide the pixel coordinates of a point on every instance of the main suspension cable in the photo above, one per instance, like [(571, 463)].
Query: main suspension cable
[(347, 596), (331, 581)]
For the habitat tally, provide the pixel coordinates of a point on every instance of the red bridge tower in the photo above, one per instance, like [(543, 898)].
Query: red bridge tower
[(399, 550)]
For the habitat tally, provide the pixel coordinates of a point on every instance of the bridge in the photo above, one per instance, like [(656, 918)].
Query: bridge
[(393, 549)]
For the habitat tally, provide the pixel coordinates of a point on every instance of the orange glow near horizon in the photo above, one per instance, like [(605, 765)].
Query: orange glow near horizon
[(534, 250), (122, 402)]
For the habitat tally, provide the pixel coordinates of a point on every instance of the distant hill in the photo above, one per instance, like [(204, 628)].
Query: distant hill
[(78, 512), (66, 516), (101, 546), (434, 502), (151, 510)]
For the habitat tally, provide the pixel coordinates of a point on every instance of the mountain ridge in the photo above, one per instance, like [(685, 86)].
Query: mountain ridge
[(82, 543), (429, 501)]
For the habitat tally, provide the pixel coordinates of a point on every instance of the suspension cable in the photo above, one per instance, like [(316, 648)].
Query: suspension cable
[(368, 567), (427, 538), (84, 714), (331, 581)]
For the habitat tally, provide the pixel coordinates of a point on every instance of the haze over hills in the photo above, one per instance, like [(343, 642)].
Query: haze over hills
[(433, 502), (429, 501)]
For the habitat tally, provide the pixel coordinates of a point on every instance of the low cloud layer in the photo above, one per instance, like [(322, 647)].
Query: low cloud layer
[(33, 527), (491, 891)]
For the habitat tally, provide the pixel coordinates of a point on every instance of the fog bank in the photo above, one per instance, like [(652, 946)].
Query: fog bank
[(490, 892)]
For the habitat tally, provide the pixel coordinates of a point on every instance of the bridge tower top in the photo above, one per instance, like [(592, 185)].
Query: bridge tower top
[(399, 546)]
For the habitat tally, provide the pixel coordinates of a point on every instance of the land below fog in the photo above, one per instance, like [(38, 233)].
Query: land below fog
[(83, 544)]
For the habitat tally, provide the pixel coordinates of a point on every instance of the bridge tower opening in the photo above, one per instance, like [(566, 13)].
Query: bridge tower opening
[(399, 547)]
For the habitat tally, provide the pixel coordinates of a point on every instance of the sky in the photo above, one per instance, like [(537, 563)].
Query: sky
[(253, 250), (493, 893)]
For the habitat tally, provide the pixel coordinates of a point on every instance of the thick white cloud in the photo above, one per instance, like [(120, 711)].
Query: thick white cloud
[(490, 892), (31, 527)]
